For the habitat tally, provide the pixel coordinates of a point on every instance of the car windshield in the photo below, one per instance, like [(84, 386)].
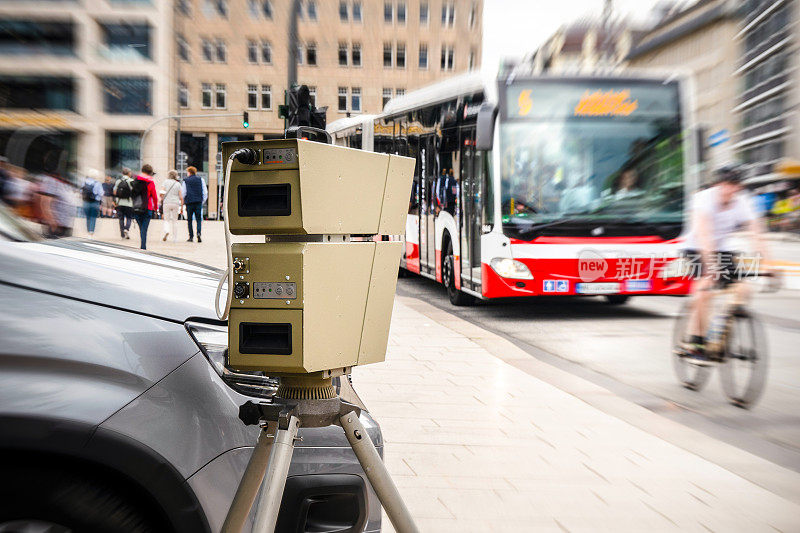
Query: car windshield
[(578, 155), (14, 229)]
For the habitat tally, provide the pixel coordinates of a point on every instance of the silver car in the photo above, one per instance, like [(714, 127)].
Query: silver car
[(117, 412)]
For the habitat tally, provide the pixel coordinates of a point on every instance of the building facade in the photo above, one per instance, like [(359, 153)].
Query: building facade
[(700, 42), (232, 56), (81, 80), (769, 98)]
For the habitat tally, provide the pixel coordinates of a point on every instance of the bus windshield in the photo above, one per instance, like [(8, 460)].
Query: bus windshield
[(586, 158)]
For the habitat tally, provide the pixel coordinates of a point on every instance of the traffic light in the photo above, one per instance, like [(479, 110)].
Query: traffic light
[(246, 119)]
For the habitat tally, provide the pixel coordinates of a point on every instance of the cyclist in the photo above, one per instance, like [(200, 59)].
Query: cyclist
[(716, 213)]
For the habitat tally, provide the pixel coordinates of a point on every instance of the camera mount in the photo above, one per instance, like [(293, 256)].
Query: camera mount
[(312, 301)]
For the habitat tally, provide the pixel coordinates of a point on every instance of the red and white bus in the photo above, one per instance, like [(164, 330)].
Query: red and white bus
[(530, 186)]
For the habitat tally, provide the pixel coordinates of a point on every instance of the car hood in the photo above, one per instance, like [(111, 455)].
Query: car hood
[(116, 276)]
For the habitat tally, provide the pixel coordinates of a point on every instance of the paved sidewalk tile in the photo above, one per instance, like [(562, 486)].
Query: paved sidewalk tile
[(476, 444)]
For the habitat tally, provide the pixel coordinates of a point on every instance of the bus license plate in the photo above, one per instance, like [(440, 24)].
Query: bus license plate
[(597, 288)]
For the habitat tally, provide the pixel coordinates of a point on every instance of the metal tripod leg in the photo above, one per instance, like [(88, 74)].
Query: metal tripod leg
[(269, 501), (251, 481), (377, 474)]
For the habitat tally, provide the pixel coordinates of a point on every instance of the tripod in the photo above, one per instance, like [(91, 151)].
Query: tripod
[(312, 403)]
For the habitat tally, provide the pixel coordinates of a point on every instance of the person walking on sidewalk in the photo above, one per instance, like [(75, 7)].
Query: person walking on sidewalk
[(107, 208), (195, 193), (92, 194), (123, 191), (145, 201), (171, 203)]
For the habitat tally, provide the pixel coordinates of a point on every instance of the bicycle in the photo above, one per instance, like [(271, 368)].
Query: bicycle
[(736, 339)]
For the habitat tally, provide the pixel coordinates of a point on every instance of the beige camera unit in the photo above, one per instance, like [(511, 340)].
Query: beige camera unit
[(304, 188), (313, 298)]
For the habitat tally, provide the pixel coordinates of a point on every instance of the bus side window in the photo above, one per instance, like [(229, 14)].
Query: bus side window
[(487, 191)]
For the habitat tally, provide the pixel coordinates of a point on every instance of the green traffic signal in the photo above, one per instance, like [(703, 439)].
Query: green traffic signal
[(246, 119)]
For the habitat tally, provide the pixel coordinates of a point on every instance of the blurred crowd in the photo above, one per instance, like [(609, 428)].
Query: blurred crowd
[(54, 201)]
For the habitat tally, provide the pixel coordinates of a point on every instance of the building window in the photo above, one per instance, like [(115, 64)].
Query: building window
[(184, 8), (472, 12), (342, 99), (387, 95), (423, 56), (448, 14), (208, 50), (222, 51), (222, 8), (183, 48), (252, 8), (266, 97), (401, 55), (355, 99), (311, 9), (447, 57), (343, 10), (423, 14), (266, 8), (312, 96), (311, 54), (471, 59), (388, 12), (252, 51), (399, 92), (122, 149), (356, 54), (127, 96), (299, 55), (205, 96), (342, 54), (37, 92), (357, 11), (387, 55), (401, 12), (220, 96), (183, 94), (266, 52), (126, 41), (252, 97), (24, 37)]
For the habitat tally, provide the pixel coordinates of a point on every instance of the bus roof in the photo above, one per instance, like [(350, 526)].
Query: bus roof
[(468, 83), (348, 122)]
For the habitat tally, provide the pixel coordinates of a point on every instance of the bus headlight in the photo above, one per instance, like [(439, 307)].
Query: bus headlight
[(510, 268)]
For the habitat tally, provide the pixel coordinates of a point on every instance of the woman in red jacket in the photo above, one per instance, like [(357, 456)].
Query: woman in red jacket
[(145, 201)]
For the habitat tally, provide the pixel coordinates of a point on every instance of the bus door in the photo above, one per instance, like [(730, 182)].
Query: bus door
[(471, 211), (427, 230)]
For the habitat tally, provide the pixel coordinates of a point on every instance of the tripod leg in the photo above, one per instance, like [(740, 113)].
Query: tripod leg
[(251, 481), (269, 501), (377, 474)]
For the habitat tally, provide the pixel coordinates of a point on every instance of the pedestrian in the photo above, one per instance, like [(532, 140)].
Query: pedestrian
[(171, 203), (195, 193), (92, 194), (107, 205), (123, 191), (145, 201), (57, 207)]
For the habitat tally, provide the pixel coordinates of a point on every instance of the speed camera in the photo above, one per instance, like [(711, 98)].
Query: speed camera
[(317, 295)]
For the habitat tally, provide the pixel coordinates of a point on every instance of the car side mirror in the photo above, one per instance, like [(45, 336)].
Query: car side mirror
[(484, 133)]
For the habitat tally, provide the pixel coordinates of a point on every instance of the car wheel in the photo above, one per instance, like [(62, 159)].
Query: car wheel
[(617, 299), (38, 499), (456, 296)]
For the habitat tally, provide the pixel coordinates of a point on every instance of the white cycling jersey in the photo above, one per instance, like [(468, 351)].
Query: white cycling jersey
[(725, 220)]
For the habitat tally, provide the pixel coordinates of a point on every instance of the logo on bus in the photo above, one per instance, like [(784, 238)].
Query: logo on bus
[(591, 265)]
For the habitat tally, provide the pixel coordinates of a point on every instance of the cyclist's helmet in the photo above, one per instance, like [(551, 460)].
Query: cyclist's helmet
[(731, 173)]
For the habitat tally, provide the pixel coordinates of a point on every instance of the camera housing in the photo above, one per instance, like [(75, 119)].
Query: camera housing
[(317, 295)]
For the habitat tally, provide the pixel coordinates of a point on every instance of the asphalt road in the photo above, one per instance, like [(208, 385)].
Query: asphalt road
[(626, 349)]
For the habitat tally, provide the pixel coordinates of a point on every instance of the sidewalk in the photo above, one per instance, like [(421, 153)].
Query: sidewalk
[(482, 437), (476, 443)]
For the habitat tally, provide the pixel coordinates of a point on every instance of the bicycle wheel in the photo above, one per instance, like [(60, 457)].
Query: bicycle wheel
[(691, 376), (744, 372)]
